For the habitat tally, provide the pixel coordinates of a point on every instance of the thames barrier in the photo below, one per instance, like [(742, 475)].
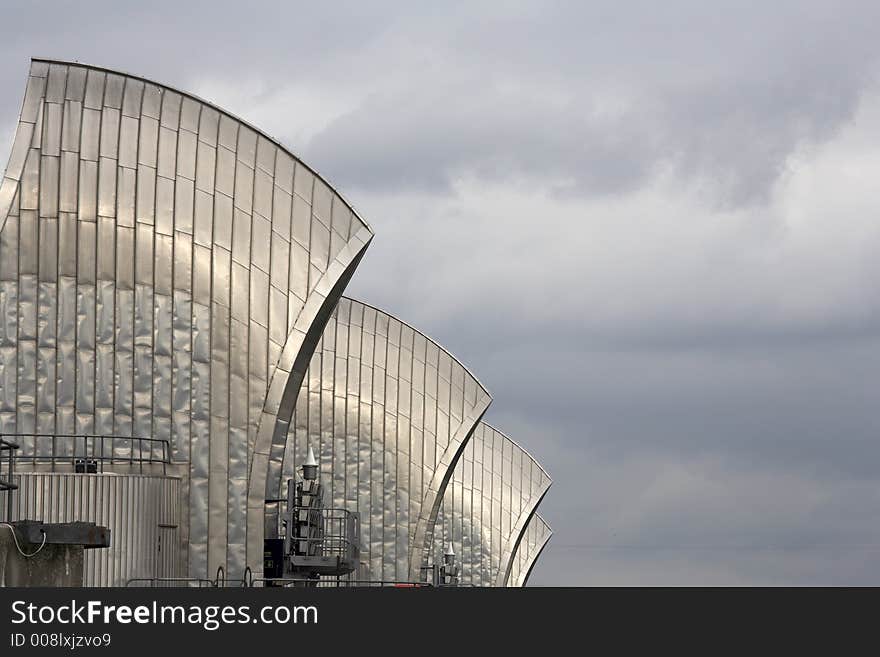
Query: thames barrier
[(187, 398)]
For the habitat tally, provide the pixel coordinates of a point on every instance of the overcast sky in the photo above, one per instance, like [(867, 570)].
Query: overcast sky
[(651, 230)]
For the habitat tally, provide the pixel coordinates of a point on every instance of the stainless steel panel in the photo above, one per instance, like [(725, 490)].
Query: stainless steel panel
[(263, 193), (109, 133), (128, 141), (244, 187), (119, 294), (131, 98), (52, 129), (171, 109), (76, 82), (190, 112), (106, 187), (88, 191), (148, 142), (167, 154), (164, 206), (113, 90), (152, 101), (146, 194), (225, 171), (186, 156), (90, 138)]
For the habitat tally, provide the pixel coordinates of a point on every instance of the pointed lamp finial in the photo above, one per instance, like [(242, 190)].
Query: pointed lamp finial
[(449, 555), (310, 467)]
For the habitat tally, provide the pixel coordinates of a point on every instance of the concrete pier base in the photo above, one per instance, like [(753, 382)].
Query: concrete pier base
[(53, 565)]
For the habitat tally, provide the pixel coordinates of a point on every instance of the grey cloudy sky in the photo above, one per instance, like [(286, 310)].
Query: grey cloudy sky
[(651, 229)]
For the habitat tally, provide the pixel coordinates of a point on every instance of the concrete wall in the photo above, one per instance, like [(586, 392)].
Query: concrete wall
[(53, 565)]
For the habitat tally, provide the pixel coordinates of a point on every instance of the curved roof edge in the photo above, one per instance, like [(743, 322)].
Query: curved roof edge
[(511, 553), (192, 96), (533, 560), (433, 341), (520, 447)]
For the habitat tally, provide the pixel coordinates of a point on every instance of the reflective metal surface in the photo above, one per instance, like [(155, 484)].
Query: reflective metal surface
[(165, 270), (488, 504), (534, 541), (141, 511), (388, 412)]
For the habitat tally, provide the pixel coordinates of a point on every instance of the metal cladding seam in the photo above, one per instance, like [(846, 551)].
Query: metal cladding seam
[(165, 269)]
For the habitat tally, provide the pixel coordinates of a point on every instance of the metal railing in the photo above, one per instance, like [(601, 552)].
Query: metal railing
[(170, 582), (338, 535), (249, 581), (88, 452), (333, 583), (188, 582), (7, 485), (286, 582)]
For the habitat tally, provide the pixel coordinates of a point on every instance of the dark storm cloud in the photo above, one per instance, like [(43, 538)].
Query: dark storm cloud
[(595, 98), (649, 228), (589, 96)]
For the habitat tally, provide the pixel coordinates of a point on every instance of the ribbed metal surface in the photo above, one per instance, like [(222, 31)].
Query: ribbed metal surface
[(494, 491), (165, 271), (534, 541), (387, 411), (136, 508)]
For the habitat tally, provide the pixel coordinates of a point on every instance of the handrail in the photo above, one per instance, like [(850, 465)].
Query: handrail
[(93, 447), (190, 580), (8, 486), (339, 531), (338, 583), (248, 582)]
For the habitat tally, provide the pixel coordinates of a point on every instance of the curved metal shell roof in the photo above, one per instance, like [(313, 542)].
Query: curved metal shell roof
[(495, 489), (167, 270), (535, 539), (388, 412)]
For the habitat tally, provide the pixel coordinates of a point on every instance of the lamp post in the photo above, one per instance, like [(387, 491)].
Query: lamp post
[(310, 466), (449, 571)]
